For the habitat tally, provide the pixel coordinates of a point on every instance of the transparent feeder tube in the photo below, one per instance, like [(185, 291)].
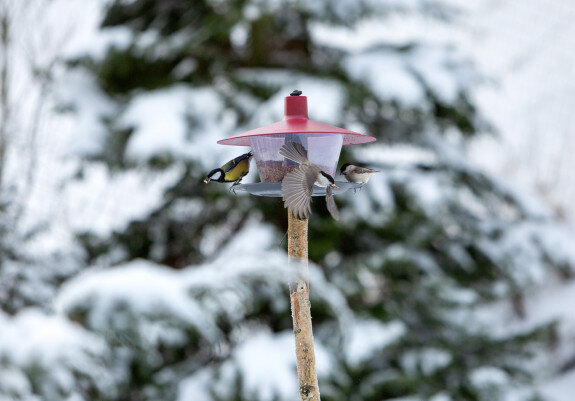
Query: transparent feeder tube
[(323, 150)]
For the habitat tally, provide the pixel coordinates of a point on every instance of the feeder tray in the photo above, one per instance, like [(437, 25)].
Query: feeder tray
[(274, 189)]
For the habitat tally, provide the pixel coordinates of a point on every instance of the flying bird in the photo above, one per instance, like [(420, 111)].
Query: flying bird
[(354, 173), (297, 185), (232, 171)]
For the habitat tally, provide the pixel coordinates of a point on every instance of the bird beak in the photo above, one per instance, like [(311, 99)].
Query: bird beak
[(335, 186), (206, 180)]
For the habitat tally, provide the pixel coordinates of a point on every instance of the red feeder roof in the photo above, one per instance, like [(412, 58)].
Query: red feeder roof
[(297, 121)]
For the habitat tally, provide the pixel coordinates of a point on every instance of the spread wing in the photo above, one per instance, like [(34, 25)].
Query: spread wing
[(297, 187), (295, 152), (330, 202)]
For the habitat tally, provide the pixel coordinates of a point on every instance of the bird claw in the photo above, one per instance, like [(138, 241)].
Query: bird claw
[(232, 189)]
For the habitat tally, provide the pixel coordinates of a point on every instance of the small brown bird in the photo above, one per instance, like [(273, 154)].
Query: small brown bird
[(354, 173), (297, 185)]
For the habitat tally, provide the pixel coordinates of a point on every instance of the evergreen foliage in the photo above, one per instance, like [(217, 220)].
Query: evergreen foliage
[(400, 284)]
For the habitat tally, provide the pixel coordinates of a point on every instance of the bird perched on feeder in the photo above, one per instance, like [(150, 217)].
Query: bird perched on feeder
[(232, 171), (297, 185), (354, 173)]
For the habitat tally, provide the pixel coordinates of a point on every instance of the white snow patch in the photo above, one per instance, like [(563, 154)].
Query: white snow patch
[(105, 201), (559, 389), (370, 336), (325, 96), (57, 349), (78, 89), (488, 377), (429, 191), (268, 365), (386, 73), (551, 303), (426, 360), (253, 237), (140, 289), (441, 397), (405, 76), (397, 155), (159, 121), (443, 69), (462, 296), (88, 40), (35, 338), (196, 387), (517, 250)]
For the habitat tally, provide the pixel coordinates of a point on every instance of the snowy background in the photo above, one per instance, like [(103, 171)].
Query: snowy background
[(88, 311)]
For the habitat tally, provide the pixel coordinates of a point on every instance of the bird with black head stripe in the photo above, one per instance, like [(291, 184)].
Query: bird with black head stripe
[(232, 171), (297, 185), (353, 173)]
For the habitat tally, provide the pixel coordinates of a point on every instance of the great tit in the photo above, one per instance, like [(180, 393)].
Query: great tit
[(297, 185), (354, 173), (232, 171)]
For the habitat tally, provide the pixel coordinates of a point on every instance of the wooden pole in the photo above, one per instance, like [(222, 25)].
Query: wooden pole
[(301, 309)]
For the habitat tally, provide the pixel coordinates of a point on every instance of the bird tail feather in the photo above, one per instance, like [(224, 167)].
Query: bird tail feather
[(295, 152), (330, 202)]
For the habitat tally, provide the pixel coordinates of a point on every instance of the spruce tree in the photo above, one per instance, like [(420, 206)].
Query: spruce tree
[(402, 281)]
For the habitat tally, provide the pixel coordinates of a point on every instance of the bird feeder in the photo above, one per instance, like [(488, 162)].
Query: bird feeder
[(323, 144)]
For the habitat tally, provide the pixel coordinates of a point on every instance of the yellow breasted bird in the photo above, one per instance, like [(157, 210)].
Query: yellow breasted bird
[(232, 171)]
